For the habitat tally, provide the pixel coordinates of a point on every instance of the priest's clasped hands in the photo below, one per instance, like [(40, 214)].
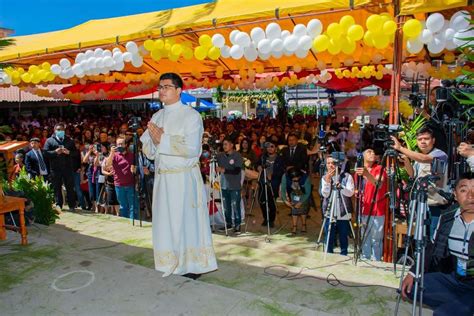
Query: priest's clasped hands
[(155, 132)]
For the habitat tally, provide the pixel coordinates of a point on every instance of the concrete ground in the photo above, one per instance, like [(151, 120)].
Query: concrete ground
[(95, 264)]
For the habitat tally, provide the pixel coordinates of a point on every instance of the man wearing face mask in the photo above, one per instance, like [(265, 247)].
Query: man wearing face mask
[(58, 150), (122, 161)]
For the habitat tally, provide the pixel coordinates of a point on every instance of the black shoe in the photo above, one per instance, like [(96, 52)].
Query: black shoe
[(272, 224), (264, 223), (193, 276), (237, 230)]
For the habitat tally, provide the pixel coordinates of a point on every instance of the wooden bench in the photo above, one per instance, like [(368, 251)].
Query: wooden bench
[(10, 204)]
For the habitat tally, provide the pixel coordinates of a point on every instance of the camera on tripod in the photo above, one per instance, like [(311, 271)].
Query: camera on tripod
[(417, 99), (382, 133), (134, 122)]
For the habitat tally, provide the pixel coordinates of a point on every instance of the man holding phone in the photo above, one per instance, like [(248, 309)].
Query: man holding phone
[(57, 149)]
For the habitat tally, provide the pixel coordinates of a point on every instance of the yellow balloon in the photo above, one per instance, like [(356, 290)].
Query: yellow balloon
[(159, 44), (36, 79), (176, 49), (389, 27), (449, 57), (348, 47), (26, 77), (50, 77), (373, 22), (412, 28), (355, 32), (200, 52), (334, 47), (335, 63), (188, 53), (214, 53), (33, 69), (321, 43), (42, 74), (46, 66), (149, 45), (380, 40), (368, 38), (205, 40), (15, 74), (16, 81), (334, 30), (364, 60), (155, 54), (346, 21), (346, 73)]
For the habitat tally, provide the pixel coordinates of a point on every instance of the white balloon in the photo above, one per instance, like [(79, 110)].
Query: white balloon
[(426, 36), (449, 34), (89, 53), (236, 52), (414, 46), (277, 55), (264, 46), (299, 30), (232, 36), (263, 56), (242, 39), (287, 52), (76, 69), (80, 57), (437, 45), (314, 28), (305, 42), (435, 22), (99, 63), (291, 43), (250, 54), (84, 65), (225, 51), (131, 47), (64, 63), (257, 34), (56, 69), (119, 66), (127, 56), (277, 45), (273, 30), (460, 20), (218, 40), (301, 53), (107, 53), (459, 37), (98, 52), (116, 50), (137, 61), (108, 61), (450, 45), (118, 57)]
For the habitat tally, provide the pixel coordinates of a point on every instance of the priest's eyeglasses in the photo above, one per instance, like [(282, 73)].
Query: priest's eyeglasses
[(166, 87)]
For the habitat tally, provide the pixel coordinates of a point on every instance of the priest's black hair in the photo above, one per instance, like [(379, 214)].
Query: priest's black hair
[(175, 79)]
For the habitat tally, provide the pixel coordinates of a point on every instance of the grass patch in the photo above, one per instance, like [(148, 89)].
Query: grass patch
[(23, 261), (273, 309), (338, 299), (144, 259), (137, 242)]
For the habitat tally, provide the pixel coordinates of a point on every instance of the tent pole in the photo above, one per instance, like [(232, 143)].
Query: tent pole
[(394, 119)]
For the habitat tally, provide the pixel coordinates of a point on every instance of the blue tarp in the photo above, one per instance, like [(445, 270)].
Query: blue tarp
[(203, 104)]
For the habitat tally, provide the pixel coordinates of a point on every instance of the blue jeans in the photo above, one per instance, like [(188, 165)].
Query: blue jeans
[(373, 243), (231, 202), (92, 189), (447, 295), (343, 231), (126, 197), (77, 188)]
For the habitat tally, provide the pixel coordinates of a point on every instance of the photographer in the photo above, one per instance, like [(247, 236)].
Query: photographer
[(295, 192), (422, 167), (230, 166), (274, 169), (467, 151), (449, 264), (343, 205), (121, 160), (373, 242)]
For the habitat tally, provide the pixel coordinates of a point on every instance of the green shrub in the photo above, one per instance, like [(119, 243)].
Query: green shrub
[(40, 193)]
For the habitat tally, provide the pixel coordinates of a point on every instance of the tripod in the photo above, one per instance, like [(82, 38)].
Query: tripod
[(214, 177), (334, 197), (420, 208)]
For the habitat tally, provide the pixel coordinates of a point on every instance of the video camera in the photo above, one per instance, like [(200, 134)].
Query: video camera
[(134, 122), (450, 97), (382, 133), (417, 99), (338, 156)]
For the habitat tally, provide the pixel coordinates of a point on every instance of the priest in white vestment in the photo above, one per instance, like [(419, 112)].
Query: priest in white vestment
[(182, 240)]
